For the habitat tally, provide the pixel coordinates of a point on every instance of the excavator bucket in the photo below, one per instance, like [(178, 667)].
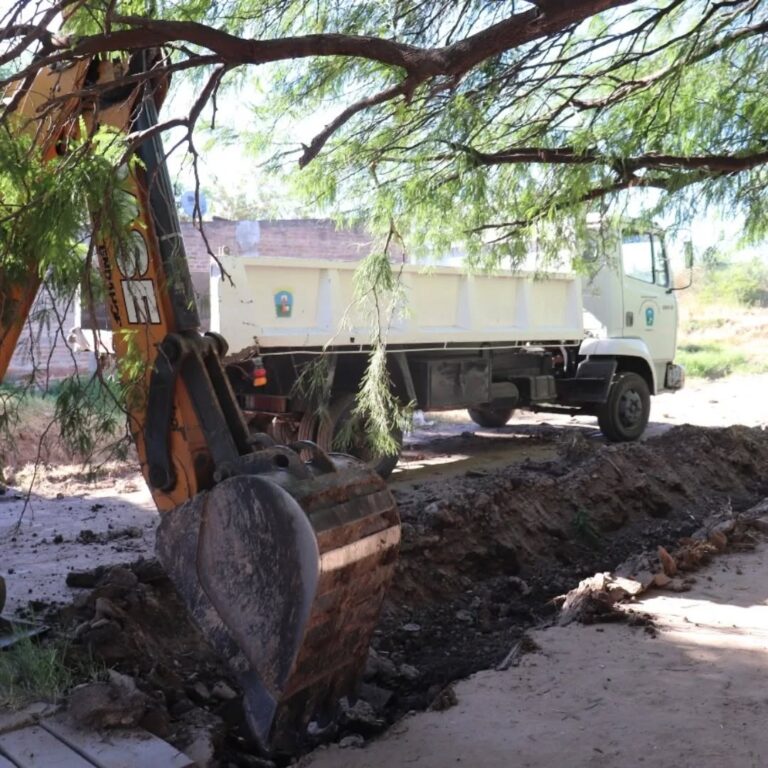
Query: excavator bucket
[(285, 571)]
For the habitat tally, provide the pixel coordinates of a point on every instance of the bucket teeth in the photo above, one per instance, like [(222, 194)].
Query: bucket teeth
[(285, 575)]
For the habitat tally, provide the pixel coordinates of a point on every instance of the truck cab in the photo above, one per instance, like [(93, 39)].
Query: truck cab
[(631, 309)]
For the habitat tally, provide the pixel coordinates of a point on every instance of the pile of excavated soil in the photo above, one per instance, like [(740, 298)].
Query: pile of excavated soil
[(482, 556), (574, 512)]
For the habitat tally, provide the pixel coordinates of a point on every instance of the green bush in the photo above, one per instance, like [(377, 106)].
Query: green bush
[(712, 361), (744, 284)]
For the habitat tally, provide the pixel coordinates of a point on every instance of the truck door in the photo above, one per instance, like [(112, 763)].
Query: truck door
[(650, 311)]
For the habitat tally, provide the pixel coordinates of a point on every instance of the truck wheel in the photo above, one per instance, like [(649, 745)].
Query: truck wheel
[(486, 416), (624, 415), (339, 415)]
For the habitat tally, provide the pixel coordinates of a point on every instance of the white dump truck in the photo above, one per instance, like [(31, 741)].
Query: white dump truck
[(490, 343)]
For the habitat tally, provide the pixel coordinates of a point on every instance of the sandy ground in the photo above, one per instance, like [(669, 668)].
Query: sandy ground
[(611, 695), (43, 539)]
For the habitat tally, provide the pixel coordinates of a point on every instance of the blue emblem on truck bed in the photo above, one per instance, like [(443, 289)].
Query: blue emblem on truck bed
[(283, 303)]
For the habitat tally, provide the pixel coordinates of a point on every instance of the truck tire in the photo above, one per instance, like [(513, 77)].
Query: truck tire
[(339, 414), (624, 415), (489, 417)]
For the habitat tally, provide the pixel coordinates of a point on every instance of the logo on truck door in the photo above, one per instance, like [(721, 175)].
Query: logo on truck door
[(138, 291), (649, 317), (283, 303)]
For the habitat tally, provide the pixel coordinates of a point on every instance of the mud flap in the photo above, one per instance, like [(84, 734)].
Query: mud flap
[(245, 560)]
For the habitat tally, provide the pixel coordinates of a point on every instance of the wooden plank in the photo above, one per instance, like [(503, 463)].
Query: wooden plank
[(118, 748), (34, 747)]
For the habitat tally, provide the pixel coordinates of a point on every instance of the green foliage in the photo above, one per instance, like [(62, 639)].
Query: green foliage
[(715, 361), (377, 410), (87, 414), (45, 205), (33, 671), (742, 284)]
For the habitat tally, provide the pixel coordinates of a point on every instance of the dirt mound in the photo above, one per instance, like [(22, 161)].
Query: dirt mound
[(576, 514)]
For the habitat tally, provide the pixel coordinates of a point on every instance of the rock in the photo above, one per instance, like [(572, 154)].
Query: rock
[(148, 571), (199, 690), (353, 741), (222, 691), (521, 586), (361, 716), (119, 576), (181, 706), (106, 705), (445, 699), (375, 695), (408, 672), (411, 626), (85, 579), (252, 761), (106, 609), (465, 616), (379, 666), (87, 536), (130, 532)]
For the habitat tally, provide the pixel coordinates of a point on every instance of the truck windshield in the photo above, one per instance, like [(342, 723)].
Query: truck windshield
[(643, 258)]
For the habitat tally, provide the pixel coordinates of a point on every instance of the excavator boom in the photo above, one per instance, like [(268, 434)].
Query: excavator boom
[(283, 562)]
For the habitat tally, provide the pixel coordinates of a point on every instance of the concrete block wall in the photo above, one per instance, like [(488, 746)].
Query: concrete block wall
[(42, 352)]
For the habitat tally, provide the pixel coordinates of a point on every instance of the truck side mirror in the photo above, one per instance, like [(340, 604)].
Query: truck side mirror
[(688, 251)]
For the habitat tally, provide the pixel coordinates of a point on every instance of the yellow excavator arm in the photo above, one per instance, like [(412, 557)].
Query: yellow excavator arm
[(283, 562)]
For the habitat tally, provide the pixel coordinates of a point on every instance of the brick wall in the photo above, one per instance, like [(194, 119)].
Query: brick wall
[(44, 344)]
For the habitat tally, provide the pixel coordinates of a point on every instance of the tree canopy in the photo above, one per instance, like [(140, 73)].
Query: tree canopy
[(499, 113)]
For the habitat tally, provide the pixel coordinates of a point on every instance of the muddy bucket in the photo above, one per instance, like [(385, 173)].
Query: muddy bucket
[(285, 571)]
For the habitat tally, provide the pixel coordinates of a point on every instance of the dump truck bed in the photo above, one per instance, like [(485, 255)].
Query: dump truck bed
[(288, 302)]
